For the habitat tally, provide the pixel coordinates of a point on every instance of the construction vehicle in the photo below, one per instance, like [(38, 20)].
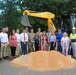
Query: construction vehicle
[(45, 15)]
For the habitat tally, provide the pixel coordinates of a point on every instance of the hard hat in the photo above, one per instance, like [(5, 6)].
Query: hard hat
[(73, 28)]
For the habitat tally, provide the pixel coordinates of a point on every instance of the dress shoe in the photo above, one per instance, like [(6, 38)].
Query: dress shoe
[(7, 56), (0, 58), (4, 57)]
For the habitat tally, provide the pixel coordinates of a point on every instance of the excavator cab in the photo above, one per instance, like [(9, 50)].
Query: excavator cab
[(46, 15)]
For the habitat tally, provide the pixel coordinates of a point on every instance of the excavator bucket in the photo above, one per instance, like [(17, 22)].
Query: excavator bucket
[(25, 21)]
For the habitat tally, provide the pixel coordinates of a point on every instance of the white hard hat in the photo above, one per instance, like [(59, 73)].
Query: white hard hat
[(73, 28)]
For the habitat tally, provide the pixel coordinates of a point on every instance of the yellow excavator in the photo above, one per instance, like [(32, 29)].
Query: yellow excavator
[(46, 15)]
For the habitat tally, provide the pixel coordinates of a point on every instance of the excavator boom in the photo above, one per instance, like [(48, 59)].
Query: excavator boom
[(45, 15), (39, 14)]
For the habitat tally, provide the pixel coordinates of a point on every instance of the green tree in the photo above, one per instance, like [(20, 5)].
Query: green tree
[(10, 14), (12, 11)]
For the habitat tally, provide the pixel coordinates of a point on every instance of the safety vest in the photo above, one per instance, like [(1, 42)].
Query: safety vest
[(72, 36)]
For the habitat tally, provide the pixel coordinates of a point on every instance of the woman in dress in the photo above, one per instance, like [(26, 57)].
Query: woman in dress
[(13, 42), (65, 41), (44, 41)]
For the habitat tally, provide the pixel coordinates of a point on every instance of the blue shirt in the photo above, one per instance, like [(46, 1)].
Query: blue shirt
[(52, 39), (36, 40), (58, 37)]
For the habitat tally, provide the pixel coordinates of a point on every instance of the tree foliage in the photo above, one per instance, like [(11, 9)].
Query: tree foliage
[(11, 11)]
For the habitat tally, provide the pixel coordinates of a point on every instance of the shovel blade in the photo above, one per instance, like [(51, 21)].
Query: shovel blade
[(25, 21)]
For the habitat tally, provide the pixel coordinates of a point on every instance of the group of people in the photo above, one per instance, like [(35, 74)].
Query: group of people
[(21, 43)]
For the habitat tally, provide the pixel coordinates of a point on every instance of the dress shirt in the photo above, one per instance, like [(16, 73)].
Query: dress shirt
[(22, 37), (31, 37), (48, 34), (58, 37), (4, 37), (52, 38), (18, 37), (40, 33), (65, 41)]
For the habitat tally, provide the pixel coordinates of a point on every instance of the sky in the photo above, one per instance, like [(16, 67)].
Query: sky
[(0, 11)]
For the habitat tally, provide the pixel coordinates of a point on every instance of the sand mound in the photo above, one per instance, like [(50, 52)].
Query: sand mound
[(44, 60)]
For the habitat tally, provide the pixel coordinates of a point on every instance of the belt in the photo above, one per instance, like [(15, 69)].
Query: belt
[(73, 40), (25, 42), (51, 42), (3, 42)]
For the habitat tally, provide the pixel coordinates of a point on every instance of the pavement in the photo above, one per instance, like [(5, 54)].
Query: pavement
[(7, 69)]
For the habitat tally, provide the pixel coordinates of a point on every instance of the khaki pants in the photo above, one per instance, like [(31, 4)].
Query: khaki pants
[(32, 46), (49, 47), (3, 49), (7, 54), (18, 49)]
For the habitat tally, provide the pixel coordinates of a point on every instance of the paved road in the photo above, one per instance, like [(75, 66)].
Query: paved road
[(7, 69)]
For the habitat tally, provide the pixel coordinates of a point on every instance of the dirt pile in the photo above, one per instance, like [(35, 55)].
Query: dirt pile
[(44, 60)]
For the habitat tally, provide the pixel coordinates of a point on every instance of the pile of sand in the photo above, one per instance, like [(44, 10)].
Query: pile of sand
[(44, 60)]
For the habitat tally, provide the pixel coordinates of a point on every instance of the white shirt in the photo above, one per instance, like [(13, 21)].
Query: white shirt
[(65, 41), (4, 37), (48, 34), (18, 37), (22, 37)]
